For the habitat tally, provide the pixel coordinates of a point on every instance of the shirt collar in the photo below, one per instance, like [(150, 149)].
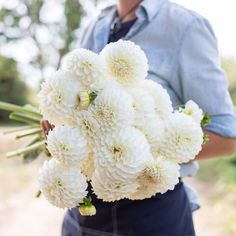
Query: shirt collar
[(147, 10), (150, 8)]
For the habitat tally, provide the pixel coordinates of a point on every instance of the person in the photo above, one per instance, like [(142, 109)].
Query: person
[(183, 57)]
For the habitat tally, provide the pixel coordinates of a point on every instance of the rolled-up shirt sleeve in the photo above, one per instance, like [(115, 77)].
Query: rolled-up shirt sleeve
[(224, 125), (200, 78)]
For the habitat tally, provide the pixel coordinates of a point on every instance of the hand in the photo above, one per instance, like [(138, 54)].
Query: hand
[(46, 126)]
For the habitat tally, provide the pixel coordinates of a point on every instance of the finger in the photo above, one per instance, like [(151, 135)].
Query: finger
[(42, 122), (50, 126), (47, 127)]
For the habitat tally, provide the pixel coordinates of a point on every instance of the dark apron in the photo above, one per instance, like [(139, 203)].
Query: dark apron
[(166, 214)]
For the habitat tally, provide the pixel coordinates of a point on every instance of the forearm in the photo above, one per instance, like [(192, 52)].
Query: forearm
[(217, 146)]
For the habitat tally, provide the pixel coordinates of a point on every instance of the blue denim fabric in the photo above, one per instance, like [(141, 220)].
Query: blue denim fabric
[(166, 214)]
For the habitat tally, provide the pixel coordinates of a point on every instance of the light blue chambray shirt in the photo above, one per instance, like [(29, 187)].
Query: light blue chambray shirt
[(183, 57)]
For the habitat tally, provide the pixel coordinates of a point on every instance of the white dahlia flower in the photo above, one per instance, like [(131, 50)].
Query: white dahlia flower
[(183, 138), (193, 110), (159, 176), (68, 145), (87, 166), (110, 190), (154, 130), (122, 154), (59, 97), (162, 102), (113, 108), (62, 187), (88, 67), (143, 105), (87, 123), (126, 62)]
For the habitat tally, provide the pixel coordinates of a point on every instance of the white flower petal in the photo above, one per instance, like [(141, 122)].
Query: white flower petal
[(58, 98), (62, 187), (88, 166), (143, 105), (193, 110), (113, 109), (122, 154), (126, 62), (88, 124), (68, 145), (158, 176), (110, 190), (87, 66), (183, 138), (154, 130), (162, 102)]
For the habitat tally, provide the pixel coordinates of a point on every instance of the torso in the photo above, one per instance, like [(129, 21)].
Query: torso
[(165, 215), (160, 39)]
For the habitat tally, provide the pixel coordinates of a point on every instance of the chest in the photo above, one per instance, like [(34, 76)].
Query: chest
[(160, 48)]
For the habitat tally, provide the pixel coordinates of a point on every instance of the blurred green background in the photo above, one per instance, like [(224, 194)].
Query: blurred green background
[(39, 39)]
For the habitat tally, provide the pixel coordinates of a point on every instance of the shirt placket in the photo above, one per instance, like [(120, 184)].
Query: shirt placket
[(102, 30), (141, 22)]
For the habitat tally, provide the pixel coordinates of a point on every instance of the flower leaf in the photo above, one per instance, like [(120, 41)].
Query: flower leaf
[(206, 120)]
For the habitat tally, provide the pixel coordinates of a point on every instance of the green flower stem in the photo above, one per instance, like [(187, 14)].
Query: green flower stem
[(38, 138), (15, 108), (23, 118), (30, 116), (26, 149), (21, 128), (29, 132), (32, 108)]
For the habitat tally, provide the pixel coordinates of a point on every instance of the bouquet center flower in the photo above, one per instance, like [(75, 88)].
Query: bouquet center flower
[(117, 152), (120, 68)]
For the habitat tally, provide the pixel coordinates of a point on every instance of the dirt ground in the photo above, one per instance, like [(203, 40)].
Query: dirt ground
[(21, 214)]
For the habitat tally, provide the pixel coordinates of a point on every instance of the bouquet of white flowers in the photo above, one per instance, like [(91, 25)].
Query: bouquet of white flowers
[(113, 129)]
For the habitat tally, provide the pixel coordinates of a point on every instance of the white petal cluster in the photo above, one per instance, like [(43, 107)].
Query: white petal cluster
[(158, 176), (110, 190), (183, 138), (162, 102), (88, 166), (126, 62), (143, 105), (193, 110), (62, 187), (154, 131), (58, 98), (122, 154), (87, 66), (87, 123), (113, 109), (68, 145), (113, 128)]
